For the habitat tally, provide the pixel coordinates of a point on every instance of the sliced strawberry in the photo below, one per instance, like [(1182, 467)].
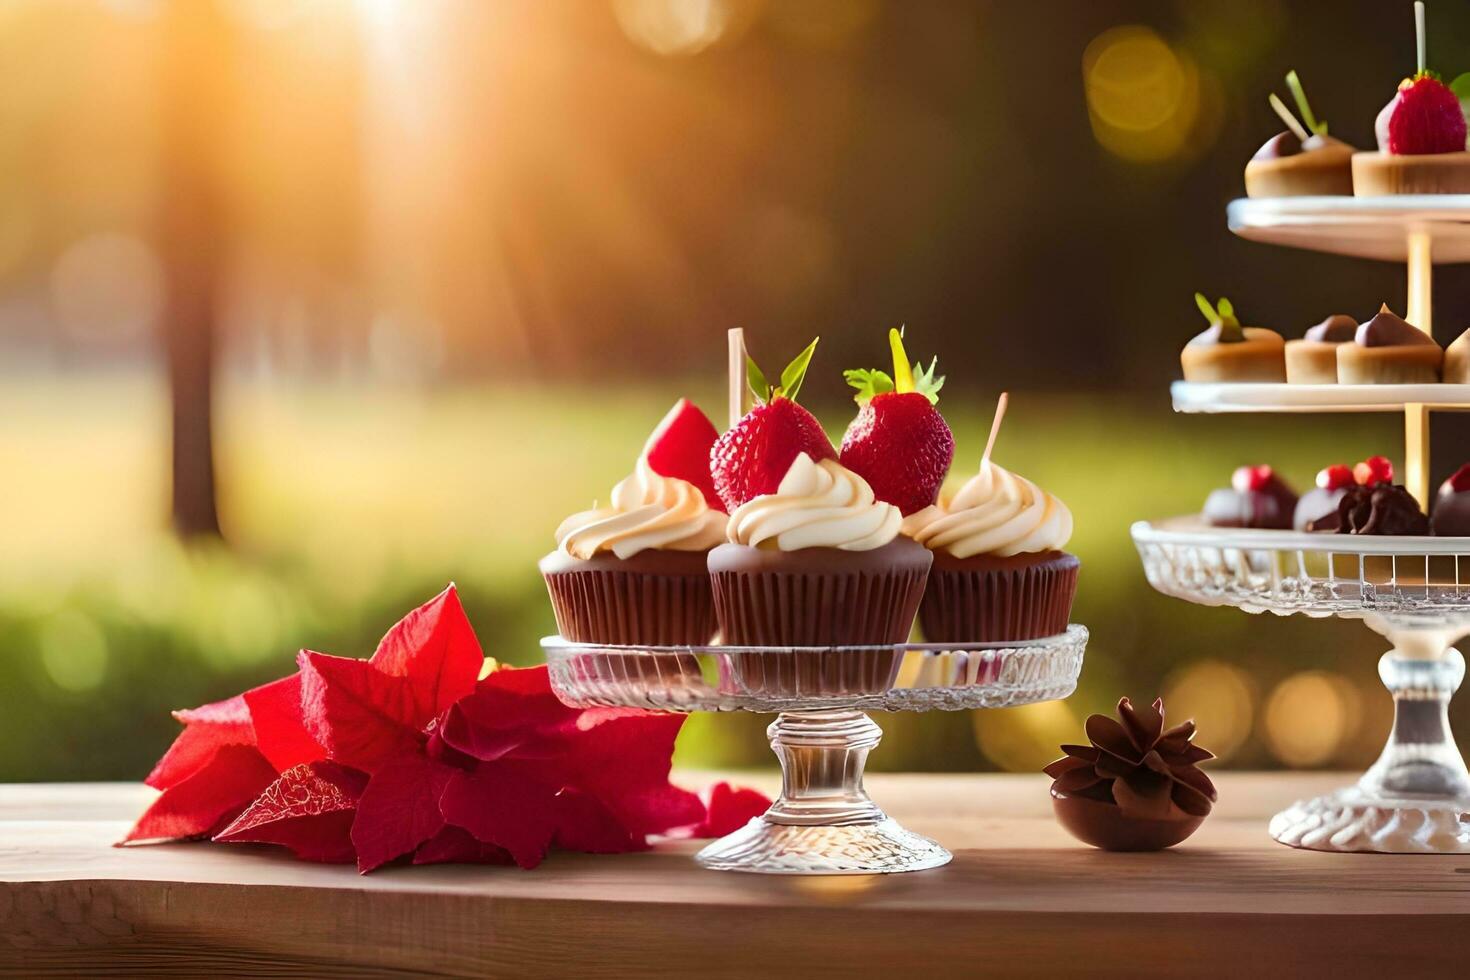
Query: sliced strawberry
[(752, 457), (899, 442), (680, 448)]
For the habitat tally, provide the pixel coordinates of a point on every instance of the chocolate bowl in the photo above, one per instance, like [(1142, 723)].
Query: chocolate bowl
[(1105, 825)]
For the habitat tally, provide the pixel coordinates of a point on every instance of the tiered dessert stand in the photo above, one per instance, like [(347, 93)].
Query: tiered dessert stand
[(823, 822), (1413, 590)]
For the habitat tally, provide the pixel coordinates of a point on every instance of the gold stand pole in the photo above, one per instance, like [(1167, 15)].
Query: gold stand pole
[(1416, 452), (1420, 311)]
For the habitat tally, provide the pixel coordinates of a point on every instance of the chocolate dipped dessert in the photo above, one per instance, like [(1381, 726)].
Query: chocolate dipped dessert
[(1374, 505), (1226, 351), (1421, 137), (1136, 786), (1389, 350), (1320, 501), (1302, 160), (1451, 515), (1256, 498), (1457, 361), (1312, 360)]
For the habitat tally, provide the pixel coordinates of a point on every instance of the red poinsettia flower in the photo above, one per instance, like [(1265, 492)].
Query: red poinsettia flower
[(410, 754)]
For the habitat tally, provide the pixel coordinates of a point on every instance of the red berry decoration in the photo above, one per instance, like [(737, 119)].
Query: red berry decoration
[(1335, 477), (1248, 478), (1373, 471), (753, 455), (680, 448), (1424, 117), (899, 442), (1459, 482)]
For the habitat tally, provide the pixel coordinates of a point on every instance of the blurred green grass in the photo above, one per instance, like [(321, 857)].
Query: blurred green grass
[(345, 505)]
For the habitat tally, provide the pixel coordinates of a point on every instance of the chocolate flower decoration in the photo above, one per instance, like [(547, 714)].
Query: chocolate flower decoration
[(1147, 772), (1381, 509)]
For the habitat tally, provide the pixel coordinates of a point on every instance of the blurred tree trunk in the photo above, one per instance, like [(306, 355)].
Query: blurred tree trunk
[(195, 53)]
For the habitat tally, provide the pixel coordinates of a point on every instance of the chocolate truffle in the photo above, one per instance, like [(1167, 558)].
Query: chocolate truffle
[(1256, 497), (1383, 509), (1312, 360), (1136, 787), (1226, 351), (1451, 517), (1389, 350)]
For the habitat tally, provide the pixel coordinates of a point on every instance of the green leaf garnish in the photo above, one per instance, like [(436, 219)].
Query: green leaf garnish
[(1227, 312), (1461, 87), (795, 372), (1313, 123), (755, 379), (925, 383), (869, 383), (1222, 314), (1206, 308)]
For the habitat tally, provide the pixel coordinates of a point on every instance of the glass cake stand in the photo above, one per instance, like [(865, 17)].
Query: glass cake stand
[(1413, 590), (823, 822)]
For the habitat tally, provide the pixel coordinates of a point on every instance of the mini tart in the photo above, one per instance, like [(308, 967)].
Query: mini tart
[(1259, 357), (1312, 360), (1457, 360), (1399, 364), (1378, 174), (1323, 170)]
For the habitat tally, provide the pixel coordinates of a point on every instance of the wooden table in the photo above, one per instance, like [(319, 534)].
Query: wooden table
[(1021, 898)]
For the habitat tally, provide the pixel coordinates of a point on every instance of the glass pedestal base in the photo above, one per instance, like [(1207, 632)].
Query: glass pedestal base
[(860, 849), (1416, 798), (824, 822)]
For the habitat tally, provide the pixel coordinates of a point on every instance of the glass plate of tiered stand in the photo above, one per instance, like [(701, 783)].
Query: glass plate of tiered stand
[(1413, 590), (823, 822)]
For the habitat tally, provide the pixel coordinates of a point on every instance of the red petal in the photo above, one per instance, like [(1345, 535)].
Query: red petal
[(207, 729), (457, 845), (361, 716), (584, 824), (502, 805), (512, 711), (728, 808), (623, 757), (435, 648), (308, 809), (399, 810), (280, 726), (208, 798)]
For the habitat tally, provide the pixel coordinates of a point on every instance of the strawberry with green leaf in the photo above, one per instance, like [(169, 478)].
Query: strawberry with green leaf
[(899, 442), (753, 455)]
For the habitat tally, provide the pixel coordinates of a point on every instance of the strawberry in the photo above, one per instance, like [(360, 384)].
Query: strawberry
[(1459, 482), (1338, 476), (899, 442), (1423, 117), (752, 457), (1373, 471), (680, 447)]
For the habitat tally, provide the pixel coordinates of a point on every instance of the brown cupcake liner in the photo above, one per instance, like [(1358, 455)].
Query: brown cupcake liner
[(814, 600), (985, 600), (628, 608)]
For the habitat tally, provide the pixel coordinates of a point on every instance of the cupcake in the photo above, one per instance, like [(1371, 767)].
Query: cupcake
[(999, 573), (1228, 352), (1312, 360), (819, 562), (633, 573), (1389, 350)]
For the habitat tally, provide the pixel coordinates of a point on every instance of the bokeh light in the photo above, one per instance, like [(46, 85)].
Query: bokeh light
[(1026, 738), (1309, 716), (73, 651), (108, 286), (827, 24), (684, 27), (1220, 699), (1143, 97)]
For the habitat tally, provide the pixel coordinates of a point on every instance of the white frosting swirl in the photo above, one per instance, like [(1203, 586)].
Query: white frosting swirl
[(995, 513), (648, 511), (817, 505)]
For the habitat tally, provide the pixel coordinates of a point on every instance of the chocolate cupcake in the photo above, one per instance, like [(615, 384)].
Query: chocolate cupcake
[(818, 563), (999, 573), (635, 573)]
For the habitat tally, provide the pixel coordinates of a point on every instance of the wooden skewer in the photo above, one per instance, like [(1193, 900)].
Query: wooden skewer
[(737, 374), (1000, 414), (1291, 122)]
